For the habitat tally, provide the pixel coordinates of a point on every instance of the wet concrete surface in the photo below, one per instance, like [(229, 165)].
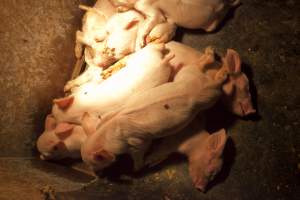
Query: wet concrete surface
[(261, 159)]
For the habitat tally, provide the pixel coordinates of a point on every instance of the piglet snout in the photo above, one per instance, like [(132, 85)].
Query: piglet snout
[(247, 107), (200, 184)]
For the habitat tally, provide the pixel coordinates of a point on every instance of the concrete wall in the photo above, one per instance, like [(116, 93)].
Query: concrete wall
[(36, 48)]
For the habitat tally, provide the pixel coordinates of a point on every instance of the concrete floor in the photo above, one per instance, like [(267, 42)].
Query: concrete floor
[(262, 159)]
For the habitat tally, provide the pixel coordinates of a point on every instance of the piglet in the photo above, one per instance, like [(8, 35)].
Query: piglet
[(109, 36), (236, 95), (144, 69), (119, 35), (203, 151), (117, 39), (60, 140), (193, 14), (93, 23), (154, 113)]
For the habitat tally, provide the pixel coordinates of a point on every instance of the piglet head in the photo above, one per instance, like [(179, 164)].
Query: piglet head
[(94, 153), (51, 143), (237, 97), (207, 161), (98, 159)]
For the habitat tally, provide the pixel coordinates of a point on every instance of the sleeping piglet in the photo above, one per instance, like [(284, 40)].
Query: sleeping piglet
[(203, 151), (193, 14), (93, 23), (236, 94), (117, 38), (119, 35), (62, 140), (144, 69), (154, 113)]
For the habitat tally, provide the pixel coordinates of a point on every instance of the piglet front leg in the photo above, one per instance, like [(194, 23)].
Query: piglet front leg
[(92, 73), (162, 33), (153, 17)]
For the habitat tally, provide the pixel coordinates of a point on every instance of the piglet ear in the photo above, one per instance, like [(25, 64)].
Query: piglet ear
[(217, 141), (64, 130), (103, 155), (64, 103), (233, 61), (50, 122)]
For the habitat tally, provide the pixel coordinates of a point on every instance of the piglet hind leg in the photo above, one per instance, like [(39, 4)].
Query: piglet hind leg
[(162, 33), (153, 17), (139, 154), (207, 59), (203, 64)]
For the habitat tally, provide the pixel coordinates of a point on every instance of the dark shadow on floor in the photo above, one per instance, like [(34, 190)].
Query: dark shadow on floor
[(246, 68), (61, 168), (229, 159)]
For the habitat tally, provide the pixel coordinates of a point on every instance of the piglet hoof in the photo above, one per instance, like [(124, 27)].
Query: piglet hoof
[(210, 55), (68, 87), (122, 9), (150, 39), (140, 42), (209, 51)]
